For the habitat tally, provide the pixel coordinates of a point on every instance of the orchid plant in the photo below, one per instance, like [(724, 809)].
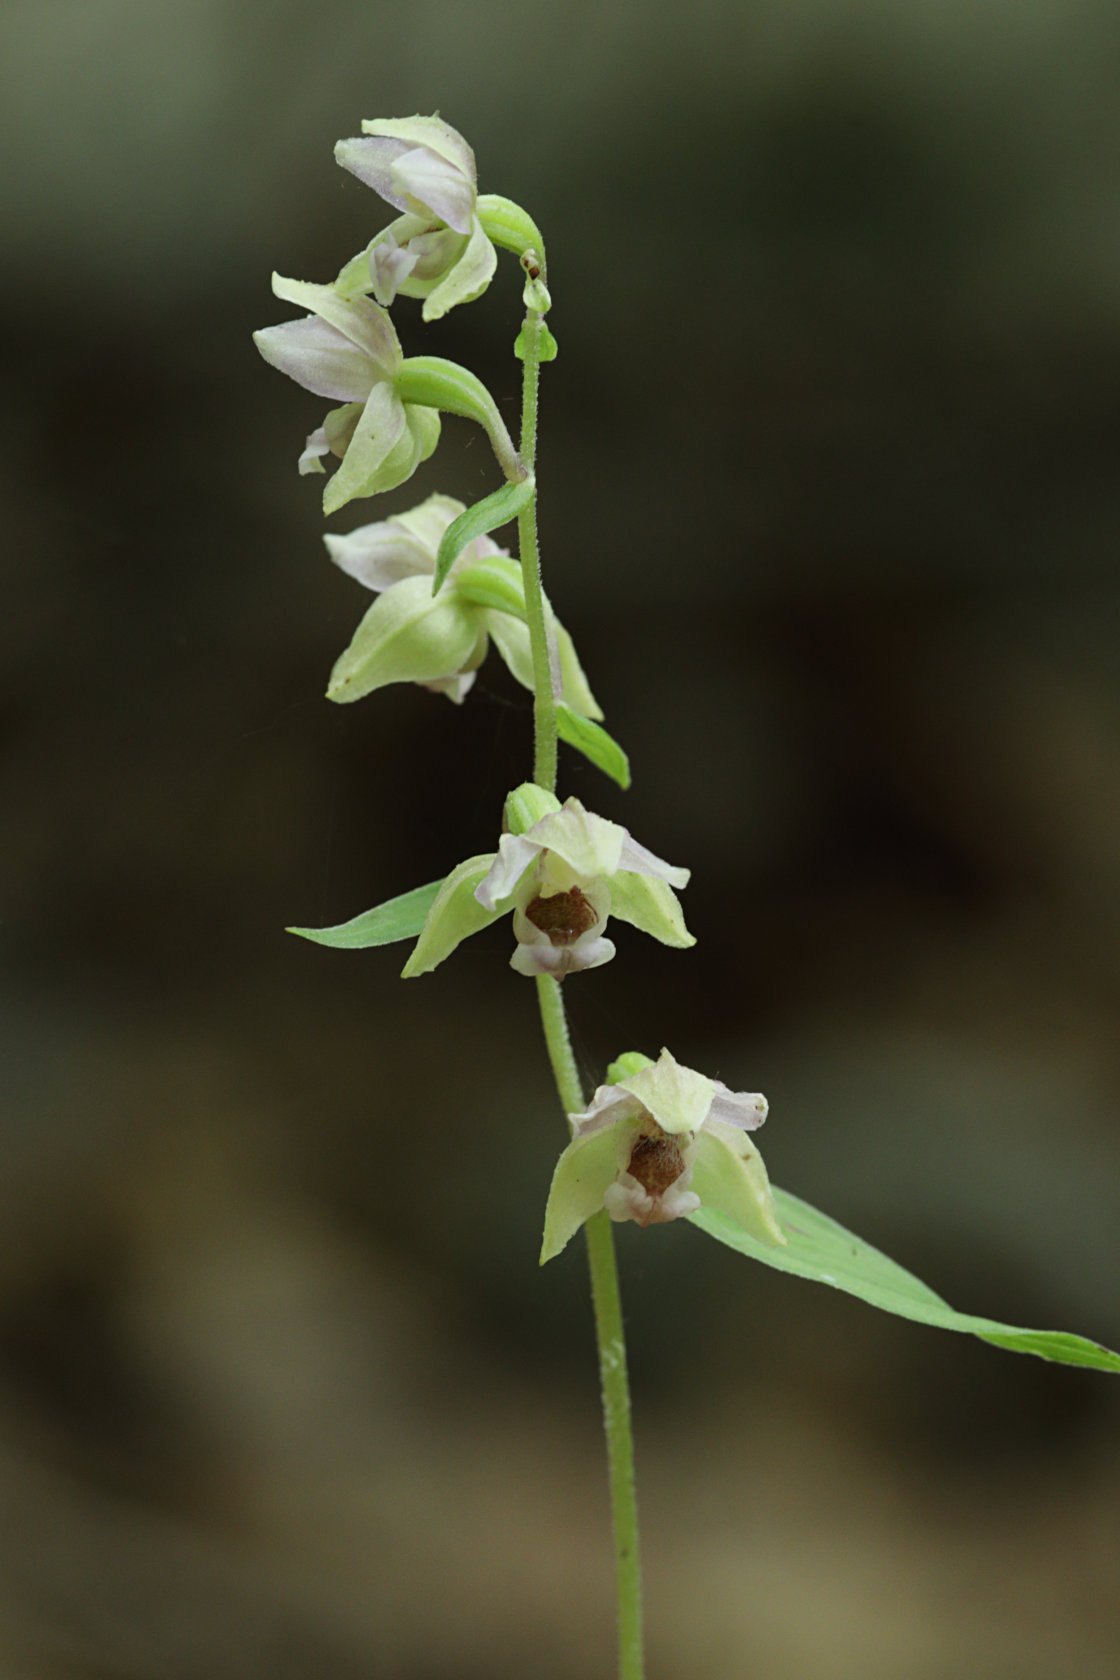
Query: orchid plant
[(657, 1141)]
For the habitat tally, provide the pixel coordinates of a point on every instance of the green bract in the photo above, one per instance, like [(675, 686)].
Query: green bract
[(658, 1142)]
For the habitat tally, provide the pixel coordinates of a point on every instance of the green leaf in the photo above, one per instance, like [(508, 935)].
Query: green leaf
[(485, 516), (820, 1249), (397, 918), (592, 740), (547, 347)]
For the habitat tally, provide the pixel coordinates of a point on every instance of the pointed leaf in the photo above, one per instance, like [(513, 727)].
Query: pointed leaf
[(493, 511), (820, 1249), (397, 918), (592, 740), (547, 347)]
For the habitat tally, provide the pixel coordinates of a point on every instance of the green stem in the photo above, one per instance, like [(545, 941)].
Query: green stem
[(544, 701), (600, 1238)]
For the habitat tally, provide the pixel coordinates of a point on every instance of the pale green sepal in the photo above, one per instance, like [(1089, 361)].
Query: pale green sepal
[(820, 1249), (380, 429), (467, 278), (651, 905), (729, 1177), (678, 1097), (585, 1169), (353, 278), (494, 582), (438, 383), (455, 914), (433, 132), (425, 425), (627, 1065), (488, 515), (508, 225), (547, 347), (511, 638), (397, 918), (575, 686), (526, 805), (592, 740), (406, 636)]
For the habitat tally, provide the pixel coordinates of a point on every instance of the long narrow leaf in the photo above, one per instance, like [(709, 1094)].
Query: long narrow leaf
[(820, 1249), (485, 516), (397, 918)]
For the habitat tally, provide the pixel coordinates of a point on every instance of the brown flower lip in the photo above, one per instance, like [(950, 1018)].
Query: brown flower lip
[(563, 916)]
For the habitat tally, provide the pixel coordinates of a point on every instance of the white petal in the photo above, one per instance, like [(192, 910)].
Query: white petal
[(456, 688), (390, 265), (379, 428), (357, 319), (642, 862), (609, 1104), (746, 1109), (437, 184), (429, 521), (588, 844), (315, 447), (558, 960), (515, 853), (379, 555), (318, 358), (371, 160)]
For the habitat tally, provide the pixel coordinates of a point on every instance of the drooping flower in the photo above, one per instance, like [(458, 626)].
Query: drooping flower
[(562, 871), (346, 349), (656, 1143), (437, 248), (411, 635)]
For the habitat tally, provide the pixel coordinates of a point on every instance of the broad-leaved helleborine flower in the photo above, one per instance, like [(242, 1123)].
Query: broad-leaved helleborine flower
[(437, 249), (658, 1143), (562, 875), (411, 635), (346, 349)]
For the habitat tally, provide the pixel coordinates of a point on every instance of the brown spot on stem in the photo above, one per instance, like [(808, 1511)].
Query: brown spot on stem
[(564, 916)]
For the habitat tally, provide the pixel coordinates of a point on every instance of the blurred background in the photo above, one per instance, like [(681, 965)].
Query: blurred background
[(830, 502)]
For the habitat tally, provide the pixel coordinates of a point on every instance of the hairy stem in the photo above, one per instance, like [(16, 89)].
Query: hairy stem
[(605, 1296), (544, 698)]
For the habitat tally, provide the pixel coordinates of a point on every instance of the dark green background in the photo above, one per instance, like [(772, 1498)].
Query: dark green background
[(829, 500)]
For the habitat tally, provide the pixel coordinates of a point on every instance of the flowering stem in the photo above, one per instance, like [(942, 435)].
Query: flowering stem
[(544, 703), (600, 1238)]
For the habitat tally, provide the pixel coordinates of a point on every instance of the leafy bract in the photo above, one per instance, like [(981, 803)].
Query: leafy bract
[(485, 516), (592, 740), (820, 1249), (397, 918)]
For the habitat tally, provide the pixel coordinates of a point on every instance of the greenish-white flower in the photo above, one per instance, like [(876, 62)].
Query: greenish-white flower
[(346, 349), (656, 1143), (439, 641), (437, 248), (561, 876)]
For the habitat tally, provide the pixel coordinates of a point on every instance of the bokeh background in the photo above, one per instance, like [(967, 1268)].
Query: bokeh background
[(830, 502)]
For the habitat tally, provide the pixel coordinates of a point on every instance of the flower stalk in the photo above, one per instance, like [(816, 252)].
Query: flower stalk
[(606, 1299)]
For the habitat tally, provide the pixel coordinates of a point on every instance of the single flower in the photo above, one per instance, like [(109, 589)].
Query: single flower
[(346, 349), (439, 641), (562, 875), (437, 248), (657, 1143)]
